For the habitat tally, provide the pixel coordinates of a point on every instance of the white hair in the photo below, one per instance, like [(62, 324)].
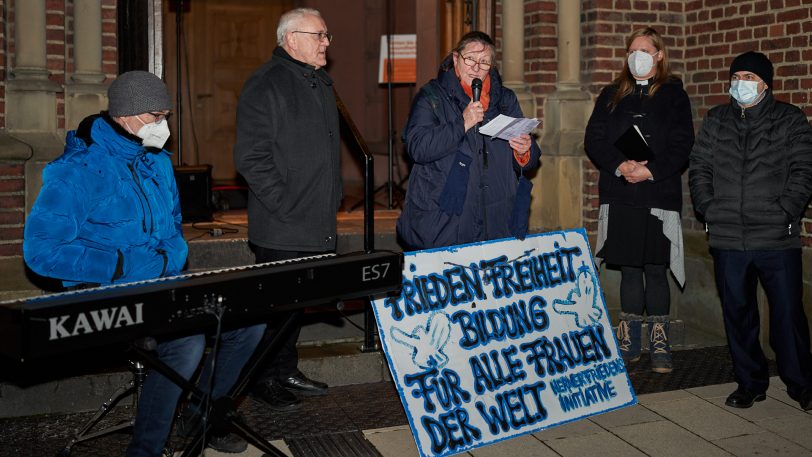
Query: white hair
[(289, 19)]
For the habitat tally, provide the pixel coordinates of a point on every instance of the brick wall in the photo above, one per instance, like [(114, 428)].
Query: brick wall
[(56, 51), (702, 37), (12, 209), (3, 69), (109, 39), (718, 30), (540, 31), (59, 62)]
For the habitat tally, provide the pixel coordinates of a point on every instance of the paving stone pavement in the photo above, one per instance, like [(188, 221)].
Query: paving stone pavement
[(678, 414)]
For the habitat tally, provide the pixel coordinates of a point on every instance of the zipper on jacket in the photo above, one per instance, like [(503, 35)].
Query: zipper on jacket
[(143, 201), (741, 184), (789, 229)]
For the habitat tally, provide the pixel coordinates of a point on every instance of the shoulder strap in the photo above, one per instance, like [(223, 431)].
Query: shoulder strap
[(433, 98)]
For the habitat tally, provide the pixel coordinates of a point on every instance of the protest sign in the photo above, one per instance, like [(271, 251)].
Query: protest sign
[(493, 340)]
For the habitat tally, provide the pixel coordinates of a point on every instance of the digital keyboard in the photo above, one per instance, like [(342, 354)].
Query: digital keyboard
[(60, 323)]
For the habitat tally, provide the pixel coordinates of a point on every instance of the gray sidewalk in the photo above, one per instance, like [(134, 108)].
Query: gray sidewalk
[(688, 422), (680, 414)]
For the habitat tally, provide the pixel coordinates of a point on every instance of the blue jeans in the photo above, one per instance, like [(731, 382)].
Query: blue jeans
[(779, 271), (159, 396)]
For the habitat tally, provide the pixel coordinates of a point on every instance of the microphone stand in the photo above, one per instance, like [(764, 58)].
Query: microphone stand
[(179, 79)]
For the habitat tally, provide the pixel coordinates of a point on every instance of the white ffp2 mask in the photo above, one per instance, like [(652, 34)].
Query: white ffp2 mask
[(640, 63), (153, 134)]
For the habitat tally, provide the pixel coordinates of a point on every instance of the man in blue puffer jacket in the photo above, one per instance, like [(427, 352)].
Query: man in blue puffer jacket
[(108, 213), (465, 187)]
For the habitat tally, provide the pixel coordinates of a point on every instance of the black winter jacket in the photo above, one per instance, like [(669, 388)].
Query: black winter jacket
[(666, 123), (287, 150), (751, 175)]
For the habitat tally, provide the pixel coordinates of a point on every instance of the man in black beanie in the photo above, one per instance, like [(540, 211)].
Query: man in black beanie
[(109, 213), (751, 181)]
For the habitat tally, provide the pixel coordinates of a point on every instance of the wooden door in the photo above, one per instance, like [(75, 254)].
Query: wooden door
[(224, 41)]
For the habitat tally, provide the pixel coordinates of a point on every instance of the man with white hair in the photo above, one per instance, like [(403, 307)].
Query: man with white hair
[(288, 151)]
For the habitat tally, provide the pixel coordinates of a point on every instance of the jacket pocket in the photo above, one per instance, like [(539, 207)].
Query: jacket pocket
[(765, 213), (291, 195)]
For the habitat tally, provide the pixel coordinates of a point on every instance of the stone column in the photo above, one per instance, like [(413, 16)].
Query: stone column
[(31, 136), (31, 95), (558, 201), (512, 68), (30, 40), (85, 93), (87, 46)]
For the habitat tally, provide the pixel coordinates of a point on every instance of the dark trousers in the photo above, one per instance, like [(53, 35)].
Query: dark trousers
[(652, 294), (285, 361), (780, 275)]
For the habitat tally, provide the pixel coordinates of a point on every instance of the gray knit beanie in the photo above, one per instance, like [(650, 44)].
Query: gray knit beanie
[(137, 92)]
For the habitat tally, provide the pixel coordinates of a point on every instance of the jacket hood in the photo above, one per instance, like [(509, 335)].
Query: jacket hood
[(108, 136)]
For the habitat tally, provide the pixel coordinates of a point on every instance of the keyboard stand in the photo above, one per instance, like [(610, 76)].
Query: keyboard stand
[(224, 410), (133, 388)]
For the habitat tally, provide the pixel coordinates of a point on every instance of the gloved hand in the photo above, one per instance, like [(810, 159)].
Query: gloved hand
[(139, 263)]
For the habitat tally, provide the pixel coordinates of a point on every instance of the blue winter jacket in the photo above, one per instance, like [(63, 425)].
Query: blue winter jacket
[(108, 211), (436, 140)]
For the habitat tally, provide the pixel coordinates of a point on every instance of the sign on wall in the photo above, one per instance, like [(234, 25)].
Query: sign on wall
[(494, 340), (404, 59)]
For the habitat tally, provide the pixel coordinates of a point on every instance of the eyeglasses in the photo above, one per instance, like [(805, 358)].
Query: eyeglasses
[(161, 116), (322, 35), (483, 64)]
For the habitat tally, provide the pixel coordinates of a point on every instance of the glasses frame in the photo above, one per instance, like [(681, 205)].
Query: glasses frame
[(470, 62), (321, 35), (160, 116)]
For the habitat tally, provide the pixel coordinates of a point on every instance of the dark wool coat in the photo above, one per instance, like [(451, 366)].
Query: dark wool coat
[(108, 210), (751, 175), (434, 135), (666, 123), (288, 151)]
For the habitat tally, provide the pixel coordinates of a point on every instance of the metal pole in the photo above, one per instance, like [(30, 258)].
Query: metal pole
[(178, 90), (389, 65)]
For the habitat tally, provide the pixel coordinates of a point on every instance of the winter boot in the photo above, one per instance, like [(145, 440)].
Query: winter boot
[(628, 336), (659, 345)]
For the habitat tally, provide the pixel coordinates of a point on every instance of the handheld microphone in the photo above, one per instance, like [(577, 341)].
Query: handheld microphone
[(476, 91), (476, 88)]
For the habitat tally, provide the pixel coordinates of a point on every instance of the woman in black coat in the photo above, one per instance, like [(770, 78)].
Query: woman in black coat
[(640, 200)]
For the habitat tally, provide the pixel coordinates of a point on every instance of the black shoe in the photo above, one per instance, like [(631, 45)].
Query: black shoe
[(806, 400), (230, 443), (743, 398), (301, 384), (276, 397)]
